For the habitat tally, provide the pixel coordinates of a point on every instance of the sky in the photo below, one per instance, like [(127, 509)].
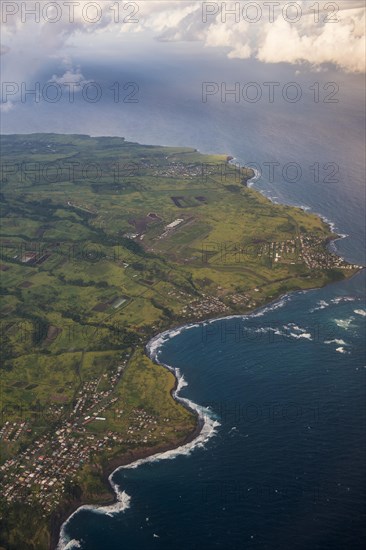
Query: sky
[(38, 36), (155, 56)]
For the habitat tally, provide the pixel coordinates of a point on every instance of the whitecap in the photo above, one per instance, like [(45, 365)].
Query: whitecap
[(305, 335), (341, 299), (154, 345), (262, 330), (209, 422), (295, 327), (276, 305), (123, 502), (255, 178), (66, 544), (209, 429), (280, 333), (361, 312), (337, 341), (344, 323), (73, 544), (320, 305)]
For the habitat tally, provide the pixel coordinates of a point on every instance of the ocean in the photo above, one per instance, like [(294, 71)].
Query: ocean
[(282, 466), (282, 392)]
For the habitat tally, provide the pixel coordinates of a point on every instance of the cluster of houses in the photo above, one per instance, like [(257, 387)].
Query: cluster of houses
[(243, 300), (310, 249), (316, 256), (38, 473), (11, 431), (208, 305), (281, 250), (174, 169), (204, 171), (142, 421)]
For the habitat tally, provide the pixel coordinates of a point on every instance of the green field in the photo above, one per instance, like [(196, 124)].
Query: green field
[(106, 243)]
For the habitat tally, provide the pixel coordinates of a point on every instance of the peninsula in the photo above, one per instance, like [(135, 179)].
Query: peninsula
[(105, 244)]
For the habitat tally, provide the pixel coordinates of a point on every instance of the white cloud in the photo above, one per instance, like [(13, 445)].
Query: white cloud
[(316, 43), (6, 107), (71, 76), (333, 43), (307, 40)]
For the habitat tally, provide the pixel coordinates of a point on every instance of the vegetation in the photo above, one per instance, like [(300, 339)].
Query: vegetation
[(104, 244)]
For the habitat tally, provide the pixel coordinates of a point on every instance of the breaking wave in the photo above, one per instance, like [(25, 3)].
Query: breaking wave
[(337, 341), (208, 426), (361, 312), (344, 323)]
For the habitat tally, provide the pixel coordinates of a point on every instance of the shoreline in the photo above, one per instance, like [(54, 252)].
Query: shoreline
[(101, 481), (138, 456), (113, 465), (133, 457)]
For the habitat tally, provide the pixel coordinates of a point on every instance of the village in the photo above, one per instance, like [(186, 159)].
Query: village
[(316, 256), (39, 472), (204, 171), (310, 249)]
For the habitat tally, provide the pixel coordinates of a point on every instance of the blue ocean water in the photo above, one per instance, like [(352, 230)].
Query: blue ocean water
[(285, 466)]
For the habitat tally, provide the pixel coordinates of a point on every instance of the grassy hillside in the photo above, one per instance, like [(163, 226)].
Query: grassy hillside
[(104, 244)]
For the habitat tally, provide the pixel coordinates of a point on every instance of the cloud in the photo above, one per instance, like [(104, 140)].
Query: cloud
[(306, 41), (341, 42), (71, 76), (338, 43), (337, 37), (6, 107), (335, 43)]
